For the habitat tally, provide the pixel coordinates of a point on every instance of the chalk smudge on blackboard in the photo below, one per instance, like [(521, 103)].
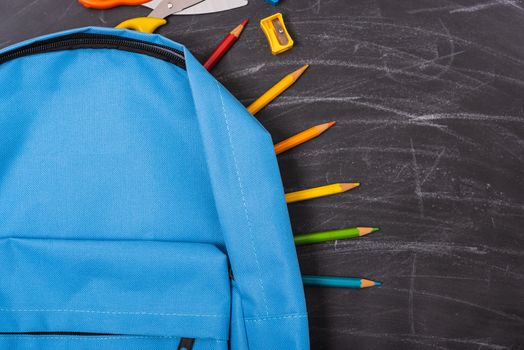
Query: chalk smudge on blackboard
[(486, 5)]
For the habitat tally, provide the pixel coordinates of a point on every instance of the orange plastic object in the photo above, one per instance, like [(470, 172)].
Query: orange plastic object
[(108, 4)]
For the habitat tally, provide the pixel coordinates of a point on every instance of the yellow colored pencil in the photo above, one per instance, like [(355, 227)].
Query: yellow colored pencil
[(318, 192), (302, 137), (276, 90)]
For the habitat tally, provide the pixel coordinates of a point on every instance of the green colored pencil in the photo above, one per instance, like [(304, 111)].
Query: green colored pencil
[(333, 235)]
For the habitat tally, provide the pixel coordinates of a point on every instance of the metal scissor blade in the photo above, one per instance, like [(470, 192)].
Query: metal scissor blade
[(169, 7), (206, 6)]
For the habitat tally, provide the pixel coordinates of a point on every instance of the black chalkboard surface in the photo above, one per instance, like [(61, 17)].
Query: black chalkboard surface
[(428, 96)]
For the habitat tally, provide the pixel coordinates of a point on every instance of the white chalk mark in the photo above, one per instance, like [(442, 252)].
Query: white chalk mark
[(298, 100), (503, 314), (437, 160), (424, 248), (243, 72), (66, 11), (485, 5), (471, 116), (426, 340), (410, 298), (321, 224), (486, 49), (473, 8), (315, 8), (446, 277), (434, 9), (418, 188), (400, 171), (492, 75), (497, 203), (23, 9), (101, 17), (426, 63)]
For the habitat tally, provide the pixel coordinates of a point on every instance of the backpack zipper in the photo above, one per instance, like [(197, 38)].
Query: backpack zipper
[(94, 41), (184, 344), (79, 334)]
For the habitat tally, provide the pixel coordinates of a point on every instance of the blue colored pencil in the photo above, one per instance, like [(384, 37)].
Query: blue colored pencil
[(342, 282)]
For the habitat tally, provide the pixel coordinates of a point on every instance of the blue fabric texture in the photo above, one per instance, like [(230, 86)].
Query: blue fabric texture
[(129, 189)]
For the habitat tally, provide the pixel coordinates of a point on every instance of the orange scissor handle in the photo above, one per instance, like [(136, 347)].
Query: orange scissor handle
[(107, 4)]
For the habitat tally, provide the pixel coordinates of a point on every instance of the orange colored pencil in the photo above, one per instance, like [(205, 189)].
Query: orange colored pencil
[(302, 137), (224, 46)]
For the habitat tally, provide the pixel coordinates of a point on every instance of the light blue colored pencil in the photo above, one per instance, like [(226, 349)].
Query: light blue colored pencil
[(341, 282)]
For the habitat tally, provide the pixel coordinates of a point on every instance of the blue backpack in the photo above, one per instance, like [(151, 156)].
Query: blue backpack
[(141, 205)]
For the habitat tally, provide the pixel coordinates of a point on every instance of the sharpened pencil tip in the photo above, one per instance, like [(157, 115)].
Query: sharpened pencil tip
[(349, 186), (323, 127), (238, 29), (364, 283), (296, 74), (366, 230), (375, 229)]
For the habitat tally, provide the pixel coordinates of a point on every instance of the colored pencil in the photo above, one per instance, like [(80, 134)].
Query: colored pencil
[(333, 235), (302, 137), (318, 192), (343, 282), (276, 90), (224, 46)]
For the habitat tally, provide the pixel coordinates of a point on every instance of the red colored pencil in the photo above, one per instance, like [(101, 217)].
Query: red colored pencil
[(224, 46)]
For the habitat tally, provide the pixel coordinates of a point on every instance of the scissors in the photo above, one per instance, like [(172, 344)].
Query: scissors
[(147, 24), (157, 17)]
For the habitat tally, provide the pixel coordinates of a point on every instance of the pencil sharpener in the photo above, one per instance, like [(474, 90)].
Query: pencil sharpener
[(276, 33)]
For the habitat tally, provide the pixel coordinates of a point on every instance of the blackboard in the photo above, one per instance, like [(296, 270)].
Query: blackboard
[(428, 96)]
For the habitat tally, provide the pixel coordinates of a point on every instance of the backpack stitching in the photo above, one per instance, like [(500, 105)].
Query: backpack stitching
[(261, 319), (116, 337), (113, 312), (246, 212)]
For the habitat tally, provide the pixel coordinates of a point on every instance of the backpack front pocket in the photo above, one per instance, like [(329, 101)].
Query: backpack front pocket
[(65, 294)]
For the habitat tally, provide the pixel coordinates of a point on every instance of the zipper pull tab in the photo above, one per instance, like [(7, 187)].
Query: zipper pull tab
[(186, 344)]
